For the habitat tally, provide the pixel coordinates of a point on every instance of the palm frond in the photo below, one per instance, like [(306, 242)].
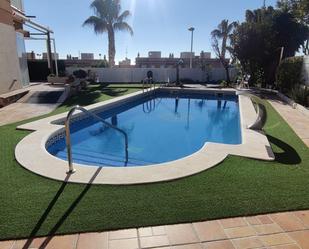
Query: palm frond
[(124, 15), (106, 9), (217, 33), (123, 26), (99, 25)]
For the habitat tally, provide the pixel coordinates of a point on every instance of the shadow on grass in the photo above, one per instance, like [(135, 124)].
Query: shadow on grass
[(114, 93), (288, 156), (65, 215), (83, 98)]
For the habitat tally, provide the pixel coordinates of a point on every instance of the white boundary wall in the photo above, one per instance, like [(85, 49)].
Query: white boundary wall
[(131, 75)]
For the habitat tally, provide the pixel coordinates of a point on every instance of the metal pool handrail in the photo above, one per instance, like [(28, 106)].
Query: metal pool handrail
[(68, 135), (148, 82)]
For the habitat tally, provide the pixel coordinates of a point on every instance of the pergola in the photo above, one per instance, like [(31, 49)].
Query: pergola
[(42, 33)]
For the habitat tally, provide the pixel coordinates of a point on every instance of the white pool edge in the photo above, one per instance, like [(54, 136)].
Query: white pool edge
[(31, 153)]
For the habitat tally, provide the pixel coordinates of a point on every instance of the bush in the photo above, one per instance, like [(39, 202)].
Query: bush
[(102, 64), (188, 81), (300, 94), (80, 74), (289, 74), (223, 84)]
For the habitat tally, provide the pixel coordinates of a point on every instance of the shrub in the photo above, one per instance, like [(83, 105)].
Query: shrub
[(223, 84), (102, 64), (188, 81), (80, 74), (300, 94), (289, 74)]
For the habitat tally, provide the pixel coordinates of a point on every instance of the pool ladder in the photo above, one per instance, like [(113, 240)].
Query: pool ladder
[(68, 134), (148, 85)]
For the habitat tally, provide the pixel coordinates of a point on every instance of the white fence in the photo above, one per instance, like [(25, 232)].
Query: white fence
[(131, 75)]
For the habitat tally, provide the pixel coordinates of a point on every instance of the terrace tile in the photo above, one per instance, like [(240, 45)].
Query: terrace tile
[(181, 234), (209, 230), (57, 242), (122, 234), (123, 244), (19, 244), (303, 216), (233, 222), (276, 239), (248, 243), (191, 246), (223, 244), (301, 237), (158, 230), (291, 246), (239, 232), (154, 241), (287, 221), (145, 231), (264, 219), (267, 229), (6, 244), (92, 241), (253, 220)]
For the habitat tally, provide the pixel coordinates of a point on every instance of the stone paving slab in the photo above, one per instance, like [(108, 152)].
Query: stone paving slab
[(287, 230), (22, 110), (295, 118)]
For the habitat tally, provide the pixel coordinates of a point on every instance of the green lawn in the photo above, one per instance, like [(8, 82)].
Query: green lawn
[(31, 205)]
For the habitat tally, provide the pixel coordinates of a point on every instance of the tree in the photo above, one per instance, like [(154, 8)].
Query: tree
[(108, 19), (300, 10), (222, 34), (258, 41)]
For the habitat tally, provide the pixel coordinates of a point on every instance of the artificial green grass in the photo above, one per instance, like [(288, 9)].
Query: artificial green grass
[(31, 205)]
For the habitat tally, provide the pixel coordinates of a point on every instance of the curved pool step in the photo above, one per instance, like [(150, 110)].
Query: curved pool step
[(97, 159)]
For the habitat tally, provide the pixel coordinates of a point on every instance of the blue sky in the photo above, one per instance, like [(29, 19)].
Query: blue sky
[(159, 25)]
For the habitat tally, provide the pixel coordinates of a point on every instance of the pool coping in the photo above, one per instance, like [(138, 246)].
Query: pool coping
[(254, 145)]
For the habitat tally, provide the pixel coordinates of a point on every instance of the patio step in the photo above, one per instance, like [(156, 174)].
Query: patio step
[(11, 97)]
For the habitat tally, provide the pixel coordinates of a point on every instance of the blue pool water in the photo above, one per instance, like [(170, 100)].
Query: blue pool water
[(160, 129)]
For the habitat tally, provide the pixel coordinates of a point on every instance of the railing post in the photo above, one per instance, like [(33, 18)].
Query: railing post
[(68, 141), (68, 135)]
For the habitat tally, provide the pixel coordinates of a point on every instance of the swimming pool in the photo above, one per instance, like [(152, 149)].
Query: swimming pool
[(187, 130), (161, 127)]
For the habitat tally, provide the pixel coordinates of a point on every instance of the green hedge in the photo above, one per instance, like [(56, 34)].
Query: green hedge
[(289, 74)]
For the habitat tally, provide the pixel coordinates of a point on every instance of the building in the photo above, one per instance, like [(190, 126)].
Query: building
[(154, 60), (45, 57), (86, 56), (31, 55), (13, 61), (13, 57), (187, 55), (154, 54), (126, 63)]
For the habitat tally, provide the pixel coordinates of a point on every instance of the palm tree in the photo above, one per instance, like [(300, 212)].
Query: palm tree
[(223, 34), (108, 19)]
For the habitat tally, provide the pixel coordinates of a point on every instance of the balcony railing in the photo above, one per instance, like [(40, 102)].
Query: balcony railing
[(18, 4)]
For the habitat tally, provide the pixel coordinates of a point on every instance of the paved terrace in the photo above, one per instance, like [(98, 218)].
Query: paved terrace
[(299, 121), (289, 230), (275, 231), (41, 99)]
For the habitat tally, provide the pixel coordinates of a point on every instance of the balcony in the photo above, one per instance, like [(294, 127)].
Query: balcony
[(18, 4)]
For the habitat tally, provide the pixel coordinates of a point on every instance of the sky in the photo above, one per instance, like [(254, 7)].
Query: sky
[(159, 25)]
